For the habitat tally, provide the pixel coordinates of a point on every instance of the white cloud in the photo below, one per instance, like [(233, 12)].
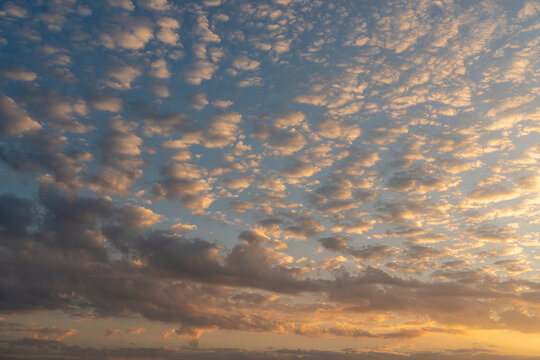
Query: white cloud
[(222, 129), (289, 119)]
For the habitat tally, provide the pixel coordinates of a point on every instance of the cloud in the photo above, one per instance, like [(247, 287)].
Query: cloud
[(60, 111), (13, 10), (124, 4), (200, 70), (249, 81), (286, 142), (108, 103), (312, 99), (19, 74), (167, 32), (240, 207), (46, 154), (529, 9), (31, 347), (117, 332), (122, 75), (493, 194), (334, 243), (162, 123), (156, 5), (299, 170), (121, 140), (120, 157), (238, 182), (37, 332), (222, 129), (203, 31), (305, 227), (183, 228), (158, 69), (14, 120), (131, 34), (198, 100), (183, 180), (245, 63), (357, 227), (336, 189), (368, 252), (332, 128)]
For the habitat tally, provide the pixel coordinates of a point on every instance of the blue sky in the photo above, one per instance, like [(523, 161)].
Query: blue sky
[(341, 176)]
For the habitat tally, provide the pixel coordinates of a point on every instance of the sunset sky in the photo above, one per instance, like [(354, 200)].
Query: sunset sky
[(286, 179)]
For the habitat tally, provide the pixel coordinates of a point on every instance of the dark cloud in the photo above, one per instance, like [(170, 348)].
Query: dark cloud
[(16, 215), (60, 112), (334, 243), (58, 350), (372, 252), (13, 119), (158, 122), (43, 153), (305, 227), (64, 253)]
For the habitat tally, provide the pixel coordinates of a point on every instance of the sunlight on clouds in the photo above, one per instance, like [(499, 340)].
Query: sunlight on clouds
[(278, 179)]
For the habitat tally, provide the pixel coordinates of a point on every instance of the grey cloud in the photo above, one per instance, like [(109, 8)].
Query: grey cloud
[(286, 143), (126, 32), (16, 215), (59, 111), (60, 351), (118, 152), (70, 226), (45, 153), (107, 102), (336, 189), (197, 100), (14, 10), (183, 180), (306, 227), (55, 272), (419, 252), (366, 253), (119, 74), (13, 119), (271, 223), (37, 332), (372, 252), (334, 243), (300, 169), (240, 207)]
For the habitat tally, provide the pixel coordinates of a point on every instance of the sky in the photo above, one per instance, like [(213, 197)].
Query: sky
[(286, 179)]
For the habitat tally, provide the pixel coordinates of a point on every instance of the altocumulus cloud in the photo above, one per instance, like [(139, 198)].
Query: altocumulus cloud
[(342, 175)]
